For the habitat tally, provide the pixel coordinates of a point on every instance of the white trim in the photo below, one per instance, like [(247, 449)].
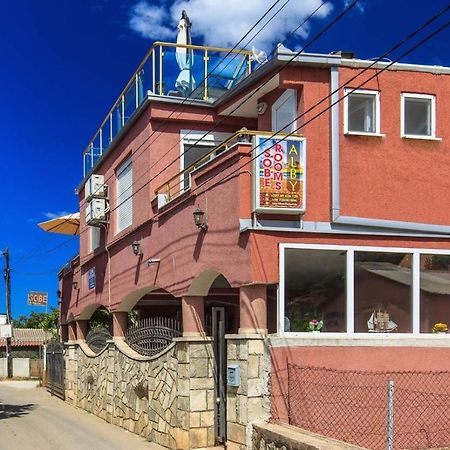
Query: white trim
[(280, 101), (350, 250), (432, 98), (376, 94), (355, 133), (119, 171)]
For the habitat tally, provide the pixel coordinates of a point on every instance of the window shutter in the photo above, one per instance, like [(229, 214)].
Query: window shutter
[(94, 238), (124, 196)]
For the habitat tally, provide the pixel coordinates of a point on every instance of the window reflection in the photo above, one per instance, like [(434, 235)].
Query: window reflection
[(315, 289), (434, 291), (383, 292)]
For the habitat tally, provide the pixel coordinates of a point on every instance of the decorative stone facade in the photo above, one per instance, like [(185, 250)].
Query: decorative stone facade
[(249, 403), (169, 399)]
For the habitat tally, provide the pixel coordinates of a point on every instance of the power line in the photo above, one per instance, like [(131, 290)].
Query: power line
[(440, 29)]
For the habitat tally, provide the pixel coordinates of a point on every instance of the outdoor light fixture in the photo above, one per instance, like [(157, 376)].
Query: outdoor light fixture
[(199, 219), (136, 246), (75, 285)]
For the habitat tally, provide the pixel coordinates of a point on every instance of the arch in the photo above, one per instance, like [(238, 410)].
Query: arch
[(133, 297), (88, 310), (70, 318), (202, 283)]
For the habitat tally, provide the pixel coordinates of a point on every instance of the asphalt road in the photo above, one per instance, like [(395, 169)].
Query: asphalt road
[(31, 419)]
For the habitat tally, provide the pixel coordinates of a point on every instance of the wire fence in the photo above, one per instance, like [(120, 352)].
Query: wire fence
[(353, 406)]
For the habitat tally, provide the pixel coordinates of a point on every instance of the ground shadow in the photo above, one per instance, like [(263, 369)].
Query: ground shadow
[(9, 411)]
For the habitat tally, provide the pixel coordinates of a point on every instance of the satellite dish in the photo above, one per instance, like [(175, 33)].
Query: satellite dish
[(259, 56)]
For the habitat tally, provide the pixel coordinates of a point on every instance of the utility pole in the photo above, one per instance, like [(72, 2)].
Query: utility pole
[(7, 274)]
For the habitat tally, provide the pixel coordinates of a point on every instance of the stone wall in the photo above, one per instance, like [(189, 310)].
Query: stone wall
[(249, 403), (169, 399), (271, 436)]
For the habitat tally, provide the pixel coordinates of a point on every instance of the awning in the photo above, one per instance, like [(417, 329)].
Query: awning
[(69, 224)]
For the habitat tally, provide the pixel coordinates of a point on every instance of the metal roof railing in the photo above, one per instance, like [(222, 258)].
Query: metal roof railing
[(212, 73)]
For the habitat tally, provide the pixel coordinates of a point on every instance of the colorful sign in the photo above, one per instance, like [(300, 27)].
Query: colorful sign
[(91, 278), (279, 176), (37, 298)]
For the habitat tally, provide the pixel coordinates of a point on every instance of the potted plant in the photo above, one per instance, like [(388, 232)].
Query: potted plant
[(315, 326), (440, 328)]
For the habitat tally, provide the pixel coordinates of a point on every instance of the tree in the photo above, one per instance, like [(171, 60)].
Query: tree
[(48, 321)]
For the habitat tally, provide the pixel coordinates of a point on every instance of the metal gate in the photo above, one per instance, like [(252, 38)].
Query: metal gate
[(220, 362), (55, 369)]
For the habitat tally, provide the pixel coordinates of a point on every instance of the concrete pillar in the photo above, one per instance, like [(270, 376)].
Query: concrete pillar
[(253, 309), (72, 331), (120, 323), (82, 329), (64, 333), (193, 310)]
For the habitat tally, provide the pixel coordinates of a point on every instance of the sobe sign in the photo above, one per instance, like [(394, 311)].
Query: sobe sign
[(279, 175), (37, 298)]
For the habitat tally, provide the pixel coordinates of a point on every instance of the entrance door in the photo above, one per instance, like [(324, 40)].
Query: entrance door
[(220, 362)]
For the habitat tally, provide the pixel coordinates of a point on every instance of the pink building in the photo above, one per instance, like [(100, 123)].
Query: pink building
[(321, 187)]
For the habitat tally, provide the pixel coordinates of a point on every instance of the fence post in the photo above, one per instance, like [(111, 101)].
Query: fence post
[(390, 415)]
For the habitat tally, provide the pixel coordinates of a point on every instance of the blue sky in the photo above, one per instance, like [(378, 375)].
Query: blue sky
[(64, 62)]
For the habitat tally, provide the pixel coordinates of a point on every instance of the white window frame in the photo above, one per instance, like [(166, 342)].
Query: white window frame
[(376, 94), (432, 98), (119, 171), (94, 243), (350, 294), (280, 101), (190, 137)]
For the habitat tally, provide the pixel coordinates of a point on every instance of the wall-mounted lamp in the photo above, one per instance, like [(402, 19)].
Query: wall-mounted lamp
[(75, 285), (136, 246), (200, 220)]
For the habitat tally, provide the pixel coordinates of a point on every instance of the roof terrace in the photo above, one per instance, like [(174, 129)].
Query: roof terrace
[(178, 71)]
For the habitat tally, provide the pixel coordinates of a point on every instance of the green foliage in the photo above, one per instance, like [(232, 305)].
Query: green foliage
[(101, 319), (48, 321)]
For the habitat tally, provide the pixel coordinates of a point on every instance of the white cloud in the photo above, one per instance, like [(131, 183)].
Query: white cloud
[(360, 7), (148, 21), (54, 215), (223, 23)]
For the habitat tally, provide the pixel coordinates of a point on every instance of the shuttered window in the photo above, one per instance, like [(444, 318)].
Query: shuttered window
[(124, 204)]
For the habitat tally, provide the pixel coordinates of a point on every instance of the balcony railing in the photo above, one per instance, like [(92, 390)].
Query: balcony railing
[(212, 72), (181, 182)]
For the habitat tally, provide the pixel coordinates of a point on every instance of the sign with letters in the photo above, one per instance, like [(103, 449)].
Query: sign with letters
[(279, 175), (91, 278), (37, 298)]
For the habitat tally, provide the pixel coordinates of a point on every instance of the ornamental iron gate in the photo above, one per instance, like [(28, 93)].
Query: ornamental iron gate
[(55, 369)]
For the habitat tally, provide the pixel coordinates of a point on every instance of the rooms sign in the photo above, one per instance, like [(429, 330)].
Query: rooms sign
[(279, 175)]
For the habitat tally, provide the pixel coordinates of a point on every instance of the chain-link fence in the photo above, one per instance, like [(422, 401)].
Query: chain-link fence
[(353, 406)]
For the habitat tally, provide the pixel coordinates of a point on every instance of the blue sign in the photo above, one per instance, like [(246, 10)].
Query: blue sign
[(91, 275)]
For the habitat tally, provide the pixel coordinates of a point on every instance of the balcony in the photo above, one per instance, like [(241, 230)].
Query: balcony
[(276, 163), (212, 73)]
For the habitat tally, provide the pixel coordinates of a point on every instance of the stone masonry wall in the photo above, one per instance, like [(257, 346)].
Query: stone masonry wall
[(249, 403), (169, 399)]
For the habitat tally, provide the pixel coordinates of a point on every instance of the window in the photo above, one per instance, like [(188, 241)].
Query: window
[(124, 205), (314, 289), (362, 112), (194, 146), (418, 113), (284, 111), (363, 289), (94, 238)]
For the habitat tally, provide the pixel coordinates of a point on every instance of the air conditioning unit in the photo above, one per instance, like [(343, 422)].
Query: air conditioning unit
[(95, 187), (96, 211)]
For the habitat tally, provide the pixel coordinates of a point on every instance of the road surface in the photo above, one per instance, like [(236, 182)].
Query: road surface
[(31, 419)]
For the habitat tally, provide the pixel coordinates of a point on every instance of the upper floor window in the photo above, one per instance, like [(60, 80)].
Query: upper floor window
[(196, 147), (124, 200), (284, 112), (361, 112), (418, 115)]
